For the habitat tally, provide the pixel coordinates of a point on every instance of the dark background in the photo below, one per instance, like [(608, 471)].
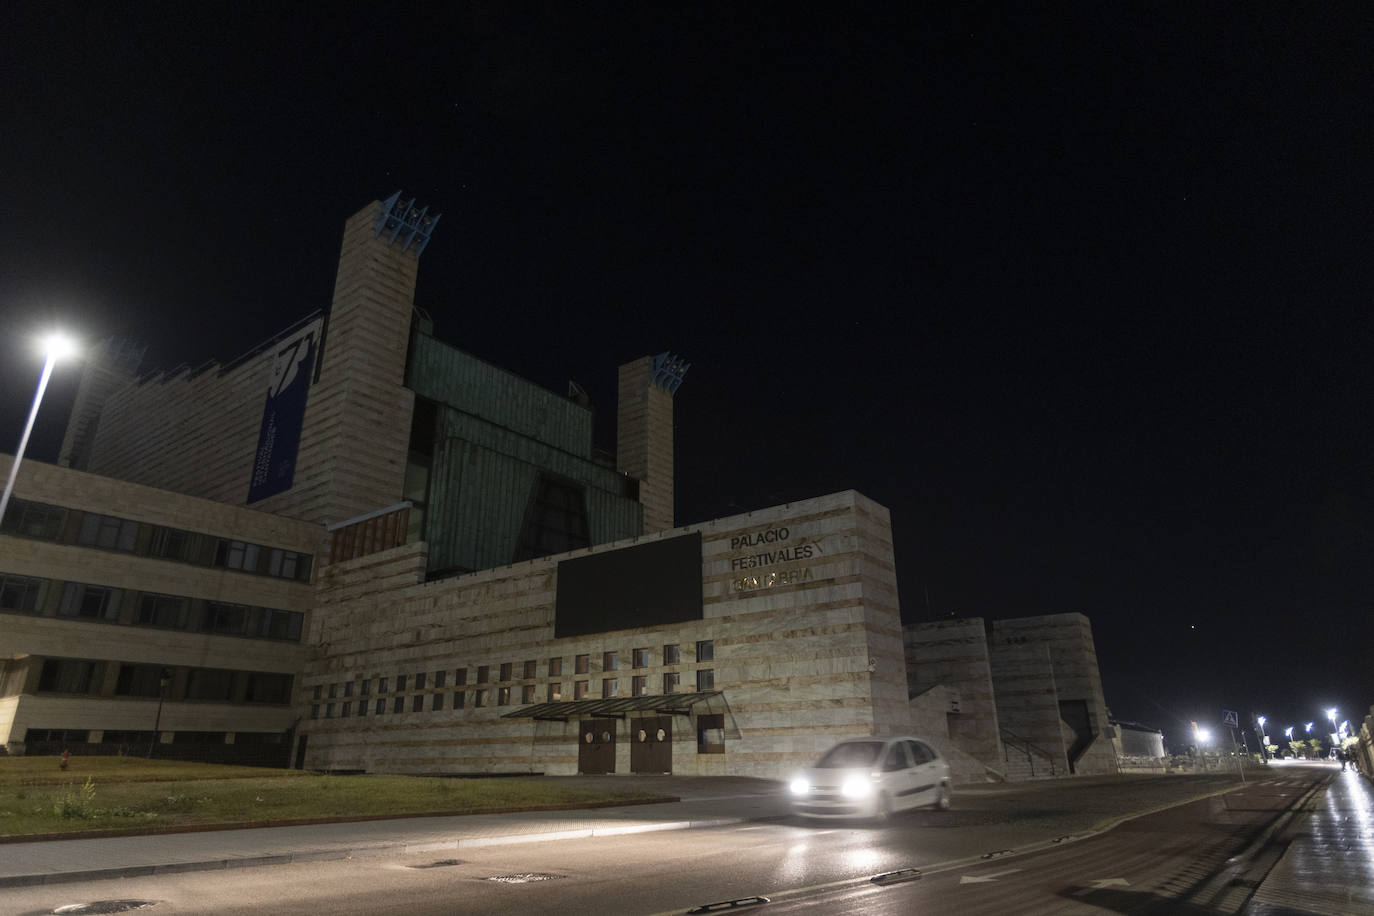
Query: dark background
[(1080, 293)]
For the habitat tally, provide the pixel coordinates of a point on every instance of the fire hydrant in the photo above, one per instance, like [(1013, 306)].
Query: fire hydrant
[(66, 756)]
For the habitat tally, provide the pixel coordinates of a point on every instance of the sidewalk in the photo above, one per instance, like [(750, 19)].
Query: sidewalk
[(1328, 870), (703, 803)]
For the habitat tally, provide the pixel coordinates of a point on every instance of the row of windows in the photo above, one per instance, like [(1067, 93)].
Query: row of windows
[(24, 595), (640, 658), (26, 518), (143, 738), (87, 677), (499, 696)]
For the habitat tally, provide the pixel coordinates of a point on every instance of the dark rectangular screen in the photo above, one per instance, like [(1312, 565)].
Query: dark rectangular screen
[(640, 586)]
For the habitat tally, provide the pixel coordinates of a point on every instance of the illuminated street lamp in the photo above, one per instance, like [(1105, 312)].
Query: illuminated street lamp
[(55, 346), (1264, 739)]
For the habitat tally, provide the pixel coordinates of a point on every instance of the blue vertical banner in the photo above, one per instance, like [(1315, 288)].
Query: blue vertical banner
[(283, 413)]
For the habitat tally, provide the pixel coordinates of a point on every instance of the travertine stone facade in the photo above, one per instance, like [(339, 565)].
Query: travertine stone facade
[(644, 441), (197, 432), (954, 654), (26, 639), (1027, 703), (109, 366), (799, 608)]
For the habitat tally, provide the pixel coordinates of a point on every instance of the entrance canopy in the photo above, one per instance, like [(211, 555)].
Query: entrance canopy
[(679, 704)]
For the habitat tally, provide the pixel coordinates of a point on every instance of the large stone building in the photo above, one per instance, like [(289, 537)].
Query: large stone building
[(471, 586)]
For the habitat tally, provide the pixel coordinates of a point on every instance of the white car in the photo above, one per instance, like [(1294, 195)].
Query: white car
[(872, 777)]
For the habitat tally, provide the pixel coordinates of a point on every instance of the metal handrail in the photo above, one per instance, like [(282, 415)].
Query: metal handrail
[(1025, 747)]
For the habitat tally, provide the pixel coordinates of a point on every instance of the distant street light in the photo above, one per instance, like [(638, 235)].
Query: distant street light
[(164, 678), (55, 346), (1264, 739)]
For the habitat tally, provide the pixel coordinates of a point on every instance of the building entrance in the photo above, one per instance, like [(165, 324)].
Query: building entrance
[(596, 746), (651, 744)]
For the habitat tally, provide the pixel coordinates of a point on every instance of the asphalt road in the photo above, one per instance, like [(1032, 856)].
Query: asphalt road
[(1193, 857)]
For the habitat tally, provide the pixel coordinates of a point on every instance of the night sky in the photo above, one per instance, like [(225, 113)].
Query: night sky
[(1082, 295)]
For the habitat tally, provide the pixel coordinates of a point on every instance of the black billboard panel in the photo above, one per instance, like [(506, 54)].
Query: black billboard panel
[(641, 586)]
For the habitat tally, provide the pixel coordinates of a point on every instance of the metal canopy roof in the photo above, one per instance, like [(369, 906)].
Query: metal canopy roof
[(679, 704)]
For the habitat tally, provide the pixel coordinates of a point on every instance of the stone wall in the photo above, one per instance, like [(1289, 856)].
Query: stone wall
[(954, 653)]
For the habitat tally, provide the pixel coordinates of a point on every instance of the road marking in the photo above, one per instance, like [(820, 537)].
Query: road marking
[(984, 879), (1102, 884)]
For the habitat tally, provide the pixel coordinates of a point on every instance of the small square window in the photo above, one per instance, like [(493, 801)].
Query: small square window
[(460, 677), (483, 673), (580, 664), (608, 687), (420, 681), (555, 693), (609, 661), (439, 678), (505, 671), (479, 698), (711, 733), (398, 704), (706, 650), (671, 680), (527, 693), (530, 667), (579, 690), (556, 667), (706, 679), (381, 707), (672, 655), (503, 696), (417, 702), (641, 685), (437, 702), (640, 658)]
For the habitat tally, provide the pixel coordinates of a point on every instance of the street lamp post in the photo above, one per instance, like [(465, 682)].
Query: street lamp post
[(1335, 738), (56, 346), (1263, 738), (163, 679)]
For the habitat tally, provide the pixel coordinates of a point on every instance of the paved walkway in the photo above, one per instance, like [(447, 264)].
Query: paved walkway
[(1328, 869)]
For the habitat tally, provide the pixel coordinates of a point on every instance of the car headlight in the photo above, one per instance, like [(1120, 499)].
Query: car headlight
[(857, 787), (799, 786)]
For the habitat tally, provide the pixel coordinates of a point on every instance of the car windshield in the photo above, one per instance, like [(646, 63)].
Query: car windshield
[(850, 754)]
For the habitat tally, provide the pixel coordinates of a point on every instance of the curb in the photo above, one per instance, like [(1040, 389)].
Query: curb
[(139, 871)]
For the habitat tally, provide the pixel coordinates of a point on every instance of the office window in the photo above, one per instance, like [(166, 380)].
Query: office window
[(458, 699), (479, 698), (505, 671), (398, 704), (555, 693), (640, 658), (211, 684), (170, 544), (19, 593), (108, 532), (609, 661), (400, 683), (89, 601), (333, 691), (711, 733), (579, 690), (460, 677), (280, 624), (483, 673), (33, 520), (706, 650), (232, 554), (380, 708), (364, 686), (641, 685), (527, 693), (439, 677), (348, 688), (382, 685), (530, 667), (580, 664), (288, 564), (671, 681), (163, 611), (437, 703), (362, 708), (556, 667), (139, 681), (706, 679), (503, 696), (420, 681), (608, 687), (220, 617), (417, 703), (672, 655), (268, 687)]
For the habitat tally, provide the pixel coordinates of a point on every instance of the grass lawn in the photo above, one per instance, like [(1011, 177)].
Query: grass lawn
[(131, 794)]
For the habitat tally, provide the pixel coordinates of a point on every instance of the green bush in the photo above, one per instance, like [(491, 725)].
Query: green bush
[(77, 804)]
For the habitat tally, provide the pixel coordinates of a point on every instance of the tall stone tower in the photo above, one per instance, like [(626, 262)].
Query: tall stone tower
[(109, 366), (644, 432)]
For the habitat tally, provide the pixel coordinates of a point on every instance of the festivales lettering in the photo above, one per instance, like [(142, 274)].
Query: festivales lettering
[(785, 553)]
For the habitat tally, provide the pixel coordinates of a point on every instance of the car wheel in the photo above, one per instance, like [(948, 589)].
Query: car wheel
[(944, 799), (882, 808)]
